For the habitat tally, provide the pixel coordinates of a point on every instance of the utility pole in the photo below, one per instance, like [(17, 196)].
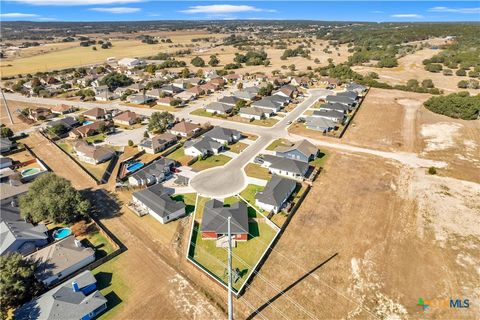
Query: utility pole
[(6, 107), (230, 302)]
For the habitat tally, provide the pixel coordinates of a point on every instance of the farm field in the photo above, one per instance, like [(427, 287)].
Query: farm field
[(398, 215)]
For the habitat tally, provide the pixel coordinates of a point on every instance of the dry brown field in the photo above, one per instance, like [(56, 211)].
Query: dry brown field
[(411, 67)]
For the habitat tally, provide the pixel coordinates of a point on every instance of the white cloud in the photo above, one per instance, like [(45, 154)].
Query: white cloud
[(455, 10), (116, 10), (18, 15), (74, 2), (223, 9), (407, 15)]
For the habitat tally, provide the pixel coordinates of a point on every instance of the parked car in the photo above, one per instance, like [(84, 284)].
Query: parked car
[(258, 160)]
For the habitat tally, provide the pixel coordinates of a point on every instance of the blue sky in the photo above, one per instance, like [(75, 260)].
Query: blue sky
[(123, 10)]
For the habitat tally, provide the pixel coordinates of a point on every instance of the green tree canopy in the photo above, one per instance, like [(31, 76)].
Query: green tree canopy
[(114, 80), (159, 121), (54, 198), (198, 62), (17, 282), (456, 105), (214, 61), (6, 132)]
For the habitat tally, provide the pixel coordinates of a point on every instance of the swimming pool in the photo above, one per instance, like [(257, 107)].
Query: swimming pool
[(62, 233), (87, 123), (135, 166), (29, 172)]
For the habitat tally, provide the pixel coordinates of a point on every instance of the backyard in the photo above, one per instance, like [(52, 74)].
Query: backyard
[(245, 255), (179, 155)]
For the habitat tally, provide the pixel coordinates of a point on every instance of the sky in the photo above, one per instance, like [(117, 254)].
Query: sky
[(134, 10)]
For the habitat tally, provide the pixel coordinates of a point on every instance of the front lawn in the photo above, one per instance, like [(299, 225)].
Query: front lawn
[(249, 195), (96, 138), (277, 143), (237, 147), (210, 162), (256, 171)]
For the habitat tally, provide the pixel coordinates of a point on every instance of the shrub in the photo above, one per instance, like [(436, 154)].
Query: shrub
[(432, 170)]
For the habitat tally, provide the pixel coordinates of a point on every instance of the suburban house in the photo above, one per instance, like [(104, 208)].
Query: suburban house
[(229, 100), (89, 129), (197, 90), (287, 91), (224, 135), (126, 118), (302, 150), (67, 122), (218, 108), (280, 99), (95, 114), (269, 104), (185, 129), (336, 107), (217, 81), (74, 299), (156, 202), (165, 100), (130, 62), (155, 172), (6, 145), (320, 124), (21, 236), (215, 220), (157, 143), (170, 89), (5, 162), (92, 154), (300, 81), (333, 115), (349, 94), (275, 195), (358, 88), (106, 95), (136, 87), (186, 96), (202, 147), (285, 167), (249, 93), (60, 259), (340, 99), (140, 98), (62, 109), (254, 113), (232, 77), (39, 113), (155, 93)]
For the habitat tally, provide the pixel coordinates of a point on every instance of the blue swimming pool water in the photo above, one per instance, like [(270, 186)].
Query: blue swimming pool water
[(61, 233), (87, 122), (135, 166)]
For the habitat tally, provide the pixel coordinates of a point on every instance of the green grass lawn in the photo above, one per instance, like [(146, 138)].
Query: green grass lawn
[(264, 123), (245, 254), (256, 171), (179, 155), (321, 159), (96, 138), (102, 246), (201, 112), (188, 199), (277, 143), (210, 162), (249, 194), (112, 286)]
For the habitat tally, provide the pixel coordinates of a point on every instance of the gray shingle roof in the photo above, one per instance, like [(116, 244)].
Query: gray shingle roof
[(218, 106), (204, 145), (222, 133), (349, 94), (20, 231), (62, 302), (158, 201), (340, 99), (254, 111), (290, 165), (157, 168), (230, 100), (335, 106), (215, 215), (304, 146), (328, 113), (318, 123), (276, 191)]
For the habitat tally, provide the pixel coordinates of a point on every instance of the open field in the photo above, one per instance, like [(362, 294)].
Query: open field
[(401, 241), (411, 67)]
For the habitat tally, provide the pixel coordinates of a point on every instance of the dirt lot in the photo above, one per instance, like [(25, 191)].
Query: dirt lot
[(411, 67), (402, 245)]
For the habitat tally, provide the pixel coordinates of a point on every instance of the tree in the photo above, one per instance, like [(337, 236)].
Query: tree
[(6, 132), (159, 121), (51, 197), (146, 135), (214, 61), (58, 129), (432, 170), (198, 62), (240, 86), (114, 80), (456, 105), (17, 282), (185, 73), (428, 83), (461, 72), (130, 143)]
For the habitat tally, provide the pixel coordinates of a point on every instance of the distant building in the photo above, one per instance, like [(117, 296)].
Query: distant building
[(157, 143), (185, 129), (130, 62)]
